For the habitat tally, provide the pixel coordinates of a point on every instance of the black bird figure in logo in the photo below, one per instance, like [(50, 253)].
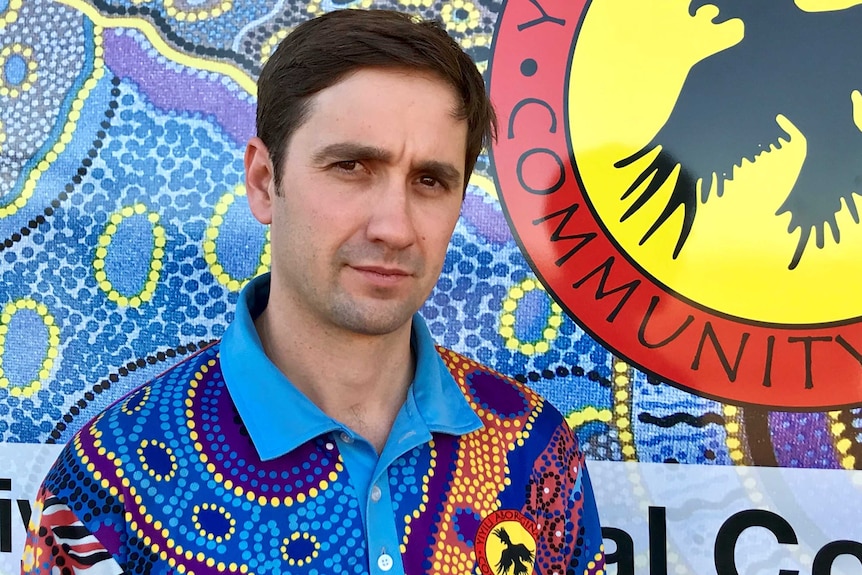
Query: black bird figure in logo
[(517, 555), (802, 65)]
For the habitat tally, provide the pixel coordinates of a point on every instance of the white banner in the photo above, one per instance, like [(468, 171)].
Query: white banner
[(658, 519), (680, 519)]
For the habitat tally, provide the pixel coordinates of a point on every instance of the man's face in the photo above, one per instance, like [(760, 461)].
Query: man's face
[(370, 192)]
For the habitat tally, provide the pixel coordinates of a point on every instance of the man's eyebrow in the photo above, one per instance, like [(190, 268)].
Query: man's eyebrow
[(443, 171), (349, 151)]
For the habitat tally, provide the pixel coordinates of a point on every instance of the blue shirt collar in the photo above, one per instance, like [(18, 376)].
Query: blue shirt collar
[(279, 418)]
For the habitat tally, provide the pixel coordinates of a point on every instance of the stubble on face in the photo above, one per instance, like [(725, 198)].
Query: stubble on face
[(339, 262), (376, 311)]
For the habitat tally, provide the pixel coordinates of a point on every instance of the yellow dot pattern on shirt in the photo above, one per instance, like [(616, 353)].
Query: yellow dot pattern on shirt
[(212, 507), (160, 446), (130, 489), (166, 548), (68, 130), (299, 561), (423, 502), (227, 483), (482, 469), (596, 562), (96, 439), (179, 557), (140, 402)]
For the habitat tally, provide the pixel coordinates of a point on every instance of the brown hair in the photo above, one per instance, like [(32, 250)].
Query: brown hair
[(320, 52)]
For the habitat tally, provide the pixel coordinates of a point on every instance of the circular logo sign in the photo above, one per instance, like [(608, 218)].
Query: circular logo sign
[(683, 178), (506, 543)]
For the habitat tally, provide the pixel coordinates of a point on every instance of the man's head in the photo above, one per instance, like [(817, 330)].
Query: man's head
[(323, 51)]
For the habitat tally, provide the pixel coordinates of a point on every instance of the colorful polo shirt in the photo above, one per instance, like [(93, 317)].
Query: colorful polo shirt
[(221, 466)]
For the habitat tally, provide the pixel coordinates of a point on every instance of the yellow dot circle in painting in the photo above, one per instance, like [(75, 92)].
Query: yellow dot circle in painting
[(22, 51), (10, 14), (156, 256), (737, 257), (508, 320), (416, 4), (486, 185), (212, 234), (51, 347)]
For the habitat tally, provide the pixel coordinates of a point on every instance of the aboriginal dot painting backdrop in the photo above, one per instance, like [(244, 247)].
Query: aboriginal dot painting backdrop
[(125, 238)]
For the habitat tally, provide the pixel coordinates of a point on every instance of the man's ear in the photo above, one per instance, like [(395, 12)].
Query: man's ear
[(259, 180)]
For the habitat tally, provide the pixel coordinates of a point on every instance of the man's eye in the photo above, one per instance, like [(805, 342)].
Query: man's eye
[(429, 181), (346, 165)]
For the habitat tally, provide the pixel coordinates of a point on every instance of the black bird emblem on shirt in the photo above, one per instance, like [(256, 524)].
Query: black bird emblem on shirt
[(804, 66), (515, 556)]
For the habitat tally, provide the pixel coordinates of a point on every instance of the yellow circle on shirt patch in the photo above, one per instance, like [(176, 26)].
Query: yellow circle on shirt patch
[(506, 543)]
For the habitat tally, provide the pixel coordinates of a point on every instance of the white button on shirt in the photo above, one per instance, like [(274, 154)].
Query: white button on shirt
[(384, 562), (346, 438), (375, 494)]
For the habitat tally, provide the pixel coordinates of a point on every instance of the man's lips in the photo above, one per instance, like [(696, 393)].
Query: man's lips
[(382, 272)]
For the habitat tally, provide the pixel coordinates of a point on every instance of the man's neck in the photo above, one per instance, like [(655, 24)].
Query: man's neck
[(358, 380)]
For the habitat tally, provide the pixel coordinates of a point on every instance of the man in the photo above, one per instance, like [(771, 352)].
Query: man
[(325, 433)]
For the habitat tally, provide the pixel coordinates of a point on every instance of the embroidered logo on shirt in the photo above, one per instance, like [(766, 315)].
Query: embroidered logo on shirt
[(506, 544)]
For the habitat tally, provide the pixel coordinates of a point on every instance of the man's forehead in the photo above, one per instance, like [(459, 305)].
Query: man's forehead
[(352, 109), (382, 73)]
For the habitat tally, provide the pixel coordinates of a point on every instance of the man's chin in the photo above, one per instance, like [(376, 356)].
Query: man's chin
[(373, 320)]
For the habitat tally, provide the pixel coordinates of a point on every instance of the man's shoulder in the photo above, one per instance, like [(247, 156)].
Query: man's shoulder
[(198, 369), (490, 391), (150, 424)]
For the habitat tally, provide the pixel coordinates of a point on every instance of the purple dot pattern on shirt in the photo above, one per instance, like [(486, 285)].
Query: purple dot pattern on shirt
[(169, 482), (217, 425), (509, 401), (195, 491)]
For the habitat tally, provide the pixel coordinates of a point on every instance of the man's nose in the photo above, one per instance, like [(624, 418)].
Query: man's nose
[(391, 218)]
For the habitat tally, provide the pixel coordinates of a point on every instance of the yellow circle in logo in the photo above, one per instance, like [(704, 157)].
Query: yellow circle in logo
[(744, 255), (510, 547)]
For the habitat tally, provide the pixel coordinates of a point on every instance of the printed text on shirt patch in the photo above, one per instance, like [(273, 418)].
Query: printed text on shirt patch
[(506, 544)]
